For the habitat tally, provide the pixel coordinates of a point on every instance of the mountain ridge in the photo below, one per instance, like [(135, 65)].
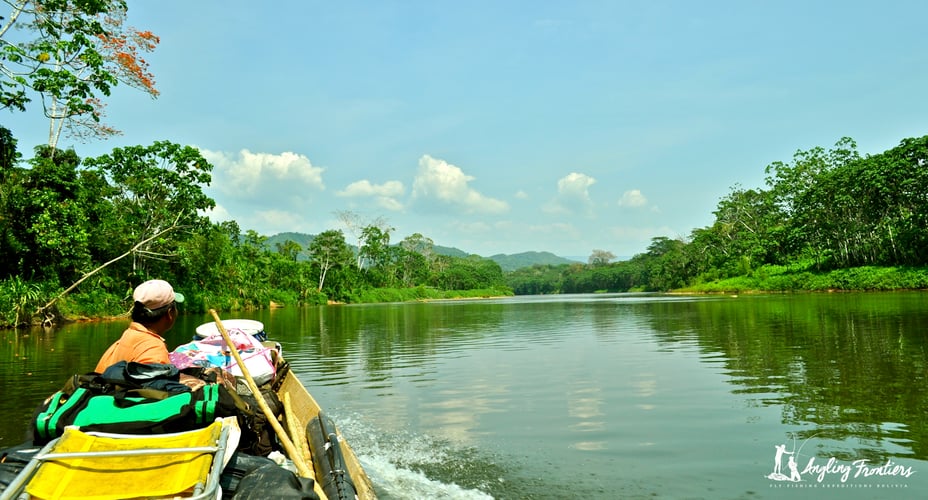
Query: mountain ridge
[(508, 262)]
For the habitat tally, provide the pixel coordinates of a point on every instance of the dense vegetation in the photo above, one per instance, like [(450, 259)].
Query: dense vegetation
[(827, 220)]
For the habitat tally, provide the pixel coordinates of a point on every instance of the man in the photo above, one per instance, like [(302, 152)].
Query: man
[(153, 314)]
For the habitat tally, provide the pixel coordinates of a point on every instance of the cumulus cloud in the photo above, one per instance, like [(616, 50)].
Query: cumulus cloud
[(385, 195), (521, 195), (633, 199), (573, 195), (439, 182), (263, 191), (250, 174), (365, 188), (218, 213)]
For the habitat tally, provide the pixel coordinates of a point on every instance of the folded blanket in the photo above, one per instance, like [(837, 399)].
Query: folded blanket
[(213, 351)]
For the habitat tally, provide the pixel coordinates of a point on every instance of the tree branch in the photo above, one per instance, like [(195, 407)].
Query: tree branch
[(98, 269)]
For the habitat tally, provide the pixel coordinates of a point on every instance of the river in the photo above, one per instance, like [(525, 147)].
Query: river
[(588, 396)]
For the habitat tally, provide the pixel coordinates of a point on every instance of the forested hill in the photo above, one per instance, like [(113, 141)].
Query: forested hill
[(528, 259), (508, 262)]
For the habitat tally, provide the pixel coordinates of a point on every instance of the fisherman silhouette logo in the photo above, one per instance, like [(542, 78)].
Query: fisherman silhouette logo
[(777, 474)]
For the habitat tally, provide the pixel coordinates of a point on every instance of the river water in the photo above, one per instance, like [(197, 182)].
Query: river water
[(589, 396)]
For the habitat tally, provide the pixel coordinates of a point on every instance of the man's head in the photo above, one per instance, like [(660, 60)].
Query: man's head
[(155, 300)]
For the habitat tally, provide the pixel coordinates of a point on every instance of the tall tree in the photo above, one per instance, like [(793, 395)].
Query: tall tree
[(375, 255), (423, 247), (600, 257), (358, 228), (329, 250), (159, 189), (47, 218), (70, 53), (289, 249), (9, 154)]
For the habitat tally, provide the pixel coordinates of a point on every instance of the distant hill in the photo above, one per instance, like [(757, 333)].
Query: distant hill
[(506, 262), (450, 251), (528, 259), (301, 239)]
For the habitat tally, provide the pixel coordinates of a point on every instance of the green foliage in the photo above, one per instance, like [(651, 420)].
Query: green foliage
[(16, 299), (95, 303), (784, 279), (46, 226)]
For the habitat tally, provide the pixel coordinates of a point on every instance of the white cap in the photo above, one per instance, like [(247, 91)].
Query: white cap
[(155, 294)]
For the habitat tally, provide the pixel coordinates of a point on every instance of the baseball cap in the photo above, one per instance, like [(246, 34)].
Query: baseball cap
[(155, 294)]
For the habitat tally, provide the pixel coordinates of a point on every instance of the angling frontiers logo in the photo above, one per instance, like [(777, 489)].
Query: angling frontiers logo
[(839, 475)]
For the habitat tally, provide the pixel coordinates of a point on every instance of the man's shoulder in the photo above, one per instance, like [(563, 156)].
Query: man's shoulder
[(140, 330)]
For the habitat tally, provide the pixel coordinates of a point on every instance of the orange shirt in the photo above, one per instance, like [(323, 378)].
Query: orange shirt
[(136, 344)]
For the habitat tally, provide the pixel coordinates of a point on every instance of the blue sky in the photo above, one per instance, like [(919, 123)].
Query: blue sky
[(511, 126)]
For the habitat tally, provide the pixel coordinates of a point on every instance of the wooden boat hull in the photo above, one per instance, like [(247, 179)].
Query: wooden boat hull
[(300, 410)]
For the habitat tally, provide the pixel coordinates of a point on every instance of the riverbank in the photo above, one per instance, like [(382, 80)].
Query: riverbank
[(769, 279), (423, 293), (99, 307)]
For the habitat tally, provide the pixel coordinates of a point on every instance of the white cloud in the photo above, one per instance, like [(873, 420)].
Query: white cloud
[(390, 204), (633, 198), (573, 194), (385, 194), (442, 183), (218, 214), (365, 188), (521, 195), (269, 193), (247, 173)]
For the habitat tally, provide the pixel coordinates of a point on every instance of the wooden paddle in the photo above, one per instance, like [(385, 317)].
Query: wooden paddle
[(292, 451)]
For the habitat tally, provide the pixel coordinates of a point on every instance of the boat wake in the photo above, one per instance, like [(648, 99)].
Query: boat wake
[(411, 466)]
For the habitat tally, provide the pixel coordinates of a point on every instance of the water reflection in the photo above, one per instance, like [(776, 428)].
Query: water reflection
[(852, 366), (686, 396)]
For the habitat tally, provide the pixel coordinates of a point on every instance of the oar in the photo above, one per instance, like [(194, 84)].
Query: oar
[(292, 452)]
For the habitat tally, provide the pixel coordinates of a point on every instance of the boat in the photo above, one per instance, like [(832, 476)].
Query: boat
[(315, 455), (332, 458)]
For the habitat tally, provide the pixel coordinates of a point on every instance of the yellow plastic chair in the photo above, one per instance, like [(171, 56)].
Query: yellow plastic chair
[(105, 466)]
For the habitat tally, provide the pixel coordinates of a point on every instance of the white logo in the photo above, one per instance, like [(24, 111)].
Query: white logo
[(817, 470)]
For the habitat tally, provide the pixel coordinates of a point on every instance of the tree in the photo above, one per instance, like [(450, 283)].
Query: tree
[(747, 224), (667, 264), (289, 249), (409, 268), (48, 227), (9, 155), (80, 50), (600, 257), (469, 273), (416, 262), (806, 209), (356, 226), (328, 250), (375, 254), (158, 189)]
